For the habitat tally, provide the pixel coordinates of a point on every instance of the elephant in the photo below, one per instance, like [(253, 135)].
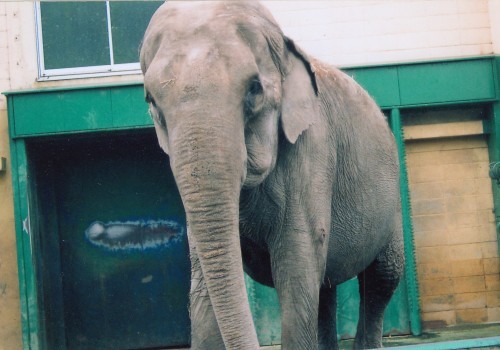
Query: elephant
[(287, 170)]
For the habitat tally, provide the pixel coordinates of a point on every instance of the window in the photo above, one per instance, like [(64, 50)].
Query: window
[(96, 38)]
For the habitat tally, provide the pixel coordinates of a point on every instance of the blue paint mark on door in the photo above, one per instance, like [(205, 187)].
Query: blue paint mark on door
[(135, 235)]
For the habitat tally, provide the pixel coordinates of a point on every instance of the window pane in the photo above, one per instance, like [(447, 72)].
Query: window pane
[(129, 20), (75, 34)]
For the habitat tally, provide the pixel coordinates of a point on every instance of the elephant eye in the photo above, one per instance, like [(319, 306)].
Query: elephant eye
[(154, 112), (254, 98), (149, 99), (255, 87)]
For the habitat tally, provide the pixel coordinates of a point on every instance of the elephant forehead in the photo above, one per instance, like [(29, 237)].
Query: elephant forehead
[(181, 20)]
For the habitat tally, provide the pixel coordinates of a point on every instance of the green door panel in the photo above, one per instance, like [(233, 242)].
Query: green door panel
[(265, 308), (117, 248), (396, 320)]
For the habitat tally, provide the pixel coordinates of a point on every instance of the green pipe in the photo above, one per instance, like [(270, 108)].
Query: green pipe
[(411, 270)]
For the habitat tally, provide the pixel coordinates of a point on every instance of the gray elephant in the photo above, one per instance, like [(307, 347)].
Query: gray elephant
[(287, 170)]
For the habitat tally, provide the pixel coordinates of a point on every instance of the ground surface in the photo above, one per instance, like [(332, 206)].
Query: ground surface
[(457, 337)]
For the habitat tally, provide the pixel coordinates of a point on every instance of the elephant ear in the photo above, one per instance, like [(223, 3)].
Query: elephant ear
[(299, 109)]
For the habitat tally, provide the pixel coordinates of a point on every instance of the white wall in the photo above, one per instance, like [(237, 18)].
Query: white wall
[(341, 32), (494, 11), (360, 32)]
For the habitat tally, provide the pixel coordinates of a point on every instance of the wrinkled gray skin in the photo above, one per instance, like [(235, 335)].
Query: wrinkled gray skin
[(286, 168)]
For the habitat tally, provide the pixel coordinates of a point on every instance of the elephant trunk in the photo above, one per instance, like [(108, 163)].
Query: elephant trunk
[(209, 166)]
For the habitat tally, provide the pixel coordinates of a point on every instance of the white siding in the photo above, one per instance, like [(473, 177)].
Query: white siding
[(368, 32)]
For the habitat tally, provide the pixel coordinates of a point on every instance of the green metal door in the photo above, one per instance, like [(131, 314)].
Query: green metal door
[(114, 257), (121, 245)]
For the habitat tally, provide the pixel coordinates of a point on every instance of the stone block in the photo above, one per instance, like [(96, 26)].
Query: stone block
[(429, 223), (489, 249), (439, 319), (487, 233), (428, 206), (460, 187), (461, 204), (471, 316), (493, 314), (426, 174), (461, 220), (437, 286), (469, 284), (465, 252), (434, 270), (463, 235), (432, 254), (493, 298), (484, 201), (470, 300), (460, 171), (483, 185), (430, 238), (426, 190), (436, 303), (485, 217), (461, 268), (492, 282), (491, 266)]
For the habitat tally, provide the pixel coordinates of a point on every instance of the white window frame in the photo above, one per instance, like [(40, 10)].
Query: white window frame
[(80, 72)]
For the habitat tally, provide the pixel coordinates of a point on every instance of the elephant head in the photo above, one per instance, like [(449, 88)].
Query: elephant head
[(225, 87)]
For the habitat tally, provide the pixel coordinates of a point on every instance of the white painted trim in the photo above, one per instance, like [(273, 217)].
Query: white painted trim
[(110, 36)]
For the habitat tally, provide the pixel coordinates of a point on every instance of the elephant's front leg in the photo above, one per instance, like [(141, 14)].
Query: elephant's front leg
[(297, 274), (205, 334)]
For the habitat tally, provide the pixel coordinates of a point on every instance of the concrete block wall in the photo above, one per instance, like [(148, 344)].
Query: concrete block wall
[(454, 228), (10, 323)]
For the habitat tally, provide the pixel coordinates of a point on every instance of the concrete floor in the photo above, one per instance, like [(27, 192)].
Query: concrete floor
[(485, 336)]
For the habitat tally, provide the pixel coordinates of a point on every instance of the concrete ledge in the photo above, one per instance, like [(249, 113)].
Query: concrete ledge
[(433, 131)]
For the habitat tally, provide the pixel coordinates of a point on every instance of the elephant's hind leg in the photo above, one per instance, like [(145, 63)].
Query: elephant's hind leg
[(376, 286), (205, 334), (327, 318)]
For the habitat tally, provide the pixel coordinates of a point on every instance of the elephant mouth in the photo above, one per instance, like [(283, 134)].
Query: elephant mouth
[(256, 175)]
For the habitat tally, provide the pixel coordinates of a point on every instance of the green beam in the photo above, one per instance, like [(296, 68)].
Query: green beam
[(26, 272), (27, 281), (67, 110), (411, 270), (436, 83)]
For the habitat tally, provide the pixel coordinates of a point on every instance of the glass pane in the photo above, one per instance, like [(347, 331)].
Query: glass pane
[(129, 20), (75, 34)]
